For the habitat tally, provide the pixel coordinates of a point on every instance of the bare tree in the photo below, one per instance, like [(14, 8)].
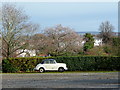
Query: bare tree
[(106, 31), (62, 40), (39, 43), (15, 26)]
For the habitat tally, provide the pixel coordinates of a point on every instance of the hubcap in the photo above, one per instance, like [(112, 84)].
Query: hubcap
[(41, 70), (61, 70)]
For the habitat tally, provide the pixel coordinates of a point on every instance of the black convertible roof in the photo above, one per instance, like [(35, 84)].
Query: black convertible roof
[(48, 59)]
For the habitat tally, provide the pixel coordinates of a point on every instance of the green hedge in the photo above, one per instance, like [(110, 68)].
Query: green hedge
[(91, 63), (79, 63), (21, 64)]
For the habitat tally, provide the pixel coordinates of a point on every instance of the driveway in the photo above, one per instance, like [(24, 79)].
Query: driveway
[(61, 80)]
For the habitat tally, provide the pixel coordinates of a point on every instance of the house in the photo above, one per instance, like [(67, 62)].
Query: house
[(44, 55), (26, 53), (97, 41), (30, 53)]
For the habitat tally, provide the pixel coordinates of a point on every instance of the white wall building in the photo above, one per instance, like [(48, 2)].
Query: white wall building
[(97, 42), (26, 53)]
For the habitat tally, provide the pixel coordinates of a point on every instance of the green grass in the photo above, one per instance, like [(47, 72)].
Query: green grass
[(84, 72), (64, 72)]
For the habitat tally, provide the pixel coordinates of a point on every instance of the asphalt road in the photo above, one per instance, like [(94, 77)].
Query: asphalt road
[(61, 80)]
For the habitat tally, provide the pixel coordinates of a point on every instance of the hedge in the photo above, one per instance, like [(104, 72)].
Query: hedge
[(21, 64), (91, 63), (78, 63)]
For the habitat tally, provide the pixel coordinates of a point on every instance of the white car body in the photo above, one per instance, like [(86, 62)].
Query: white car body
[(50, 65)]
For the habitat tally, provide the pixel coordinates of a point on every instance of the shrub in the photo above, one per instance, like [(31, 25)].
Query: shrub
[(107, 49), (8, 67), (96, 51)]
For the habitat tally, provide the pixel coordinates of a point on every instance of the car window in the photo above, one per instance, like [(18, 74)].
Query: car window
[(42, 62), (46, 62), (52, 61)]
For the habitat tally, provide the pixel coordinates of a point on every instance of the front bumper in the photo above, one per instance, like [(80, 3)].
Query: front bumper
[(35, 69)]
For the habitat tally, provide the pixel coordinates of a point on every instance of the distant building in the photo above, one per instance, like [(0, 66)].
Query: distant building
[(26, 53), (30, 53), (44, 55), (97, 41)]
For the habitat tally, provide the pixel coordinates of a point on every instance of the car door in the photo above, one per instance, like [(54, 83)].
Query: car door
[(47, 65), (53, 65)]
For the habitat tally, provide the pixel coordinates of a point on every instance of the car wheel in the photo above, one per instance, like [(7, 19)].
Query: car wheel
[(61, 69), (41, 70)]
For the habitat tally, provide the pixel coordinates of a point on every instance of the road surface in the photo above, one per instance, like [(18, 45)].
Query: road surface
[(61, 80)]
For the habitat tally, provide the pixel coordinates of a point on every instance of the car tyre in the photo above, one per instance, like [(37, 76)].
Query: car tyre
[(61, 69), (41, 70)]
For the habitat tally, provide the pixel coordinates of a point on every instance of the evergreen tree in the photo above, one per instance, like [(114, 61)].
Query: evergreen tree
[(89, 42)]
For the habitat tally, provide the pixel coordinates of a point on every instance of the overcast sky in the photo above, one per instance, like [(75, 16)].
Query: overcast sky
[(81, 16)]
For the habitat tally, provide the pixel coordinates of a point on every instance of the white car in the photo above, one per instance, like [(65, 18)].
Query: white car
[(50, 65)]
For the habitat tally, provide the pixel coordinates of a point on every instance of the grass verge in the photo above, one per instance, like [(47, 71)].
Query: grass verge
[(63, 72)]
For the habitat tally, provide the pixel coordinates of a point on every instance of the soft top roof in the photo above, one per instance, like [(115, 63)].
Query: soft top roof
[(47, 59)]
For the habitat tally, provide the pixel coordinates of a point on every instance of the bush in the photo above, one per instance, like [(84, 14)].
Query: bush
[(116, 46), (8, 67), (107, 49), (76, 63), (96, 51)]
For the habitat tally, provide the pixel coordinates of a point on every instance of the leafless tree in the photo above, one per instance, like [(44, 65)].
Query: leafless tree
[(106, 31), (62, 40), (39, 42), (15, 27)]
